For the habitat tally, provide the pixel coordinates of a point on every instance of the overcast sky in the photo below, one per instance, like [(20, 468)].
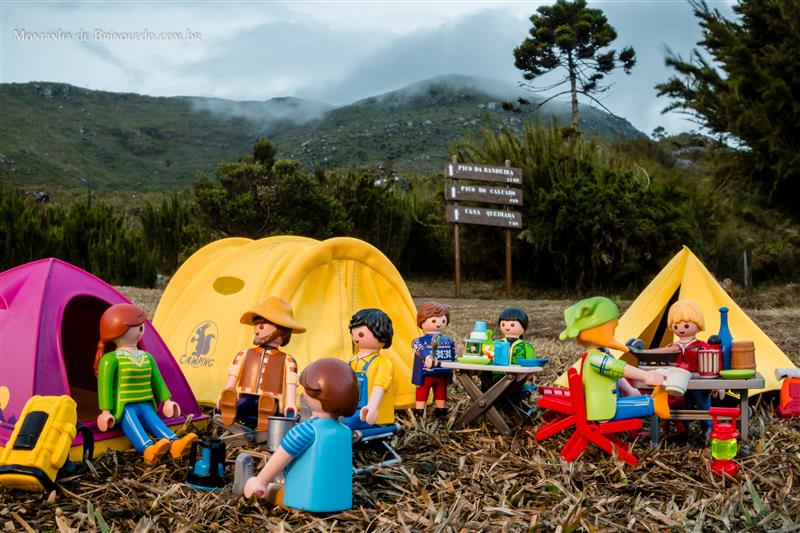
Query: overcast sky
[(336, 52)]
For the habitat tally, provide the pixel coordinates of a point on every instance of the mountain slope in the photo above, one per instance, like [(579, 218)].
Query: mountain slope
[(54, 134), (416, 126)]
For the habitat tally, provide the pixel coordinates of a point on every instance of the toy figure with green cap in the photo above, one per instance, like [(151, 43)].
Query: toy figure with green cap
[(592, 323)]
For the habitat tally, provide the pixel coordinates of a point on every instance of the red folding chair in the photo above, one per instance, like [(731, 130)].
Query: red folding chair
[(558, 403), (601, 434)]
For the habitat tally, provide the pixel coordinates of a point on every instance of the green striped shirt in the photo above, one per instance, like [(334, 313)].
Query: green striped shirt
[(124, 378)]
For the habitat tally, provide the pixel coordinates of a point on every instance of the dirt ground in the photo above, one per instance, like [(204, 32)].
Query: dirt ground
[(475, 478)]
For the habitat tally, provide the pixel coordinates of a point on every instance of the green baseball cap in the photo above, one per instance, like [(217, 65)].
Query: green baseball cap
[(587, 314)]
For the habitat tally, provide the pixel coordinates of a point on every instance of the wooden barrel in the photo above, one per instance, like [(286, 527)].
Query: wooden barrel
[(743, 355)]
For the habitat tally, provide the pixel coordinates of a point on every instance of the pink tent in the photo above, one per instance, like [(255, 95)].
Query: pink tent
[(49, 327)]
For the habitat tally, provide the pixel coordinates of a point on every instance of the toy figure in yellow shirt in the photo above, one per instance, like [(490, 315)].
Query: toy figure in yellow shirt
[(371, 330)]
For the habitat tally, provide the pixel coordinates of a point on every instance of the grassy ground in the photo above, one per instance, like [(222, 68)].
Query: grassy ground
[(474, 479)]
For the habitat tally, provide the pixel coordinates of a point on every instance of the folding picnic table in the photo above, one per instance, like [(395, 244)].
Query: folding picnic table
[(739, 386), (483, 402)]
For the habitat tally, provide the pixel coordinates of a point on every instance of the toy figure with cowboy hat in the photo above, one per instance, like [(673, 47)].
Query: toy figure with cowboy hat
[(262, 381), (592, 323)]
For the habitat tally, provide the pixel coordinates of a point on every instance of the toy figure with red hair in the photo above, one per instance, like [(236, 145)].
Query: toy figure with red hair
[(429, 351), (129, 384)]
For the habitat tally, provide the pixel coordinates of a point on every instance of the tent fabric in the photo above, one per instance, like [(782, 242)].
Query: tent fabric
[(49, 327), (685, 277), (324, 281)]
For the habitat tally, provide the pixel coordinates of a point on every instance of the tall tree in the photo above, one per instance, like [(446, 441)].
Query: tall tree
[(572, 36), (748, 90)]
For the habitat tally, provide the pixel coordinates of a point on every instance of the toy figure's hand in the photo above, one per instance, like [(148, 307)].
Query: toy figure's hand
[(368, 415), (718, 394), (105, 420), (654, 379), (429, 362), (255, 488), (171, 409), (290, 411)]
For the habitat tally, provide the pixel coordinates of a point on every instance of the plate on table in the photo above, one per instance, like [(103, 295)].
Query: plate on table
[(473, 360), (533, 362), (738, 373)]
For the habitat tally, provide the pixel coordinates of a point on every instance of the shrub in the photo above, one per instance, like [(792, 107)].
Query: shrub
[(90, 235)]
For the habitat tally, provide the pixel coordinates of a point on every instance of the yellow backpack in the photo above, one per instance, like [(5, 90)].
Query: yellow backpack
[(40, 443)]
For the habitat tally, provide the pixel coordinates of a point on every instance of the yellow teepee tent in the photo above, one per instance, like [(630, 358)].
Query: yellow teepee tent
[(685, 277), (324, 281)]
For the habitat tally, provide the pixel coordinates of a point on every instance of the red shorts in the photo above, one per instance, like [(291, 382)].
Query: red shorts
[(439, 384)]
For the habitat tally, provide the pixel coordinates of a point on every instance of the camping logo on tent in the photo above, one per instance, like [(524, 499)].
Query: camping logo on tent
[(201, 345)]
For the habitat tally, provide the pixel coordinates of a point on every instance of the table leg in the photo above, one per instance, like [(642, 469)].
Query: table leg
[(744, 414), (655, 426), (482, 402)]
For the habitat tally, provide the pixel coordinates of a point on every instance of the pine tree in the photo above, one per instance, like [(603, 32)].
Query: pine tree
[(743, 86), (572, 36)]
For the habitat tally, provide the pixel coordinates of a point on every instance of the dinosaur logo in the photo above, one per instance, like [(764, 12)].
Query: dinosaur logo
[(200, 345)]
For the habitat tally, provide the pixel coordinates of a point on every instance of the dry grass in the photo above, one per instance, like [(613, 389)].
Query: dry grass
[(474, 479)]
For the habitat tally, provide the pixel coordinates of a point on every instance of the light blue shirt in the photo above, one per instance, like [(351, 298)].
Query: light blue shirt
[(320, 478)]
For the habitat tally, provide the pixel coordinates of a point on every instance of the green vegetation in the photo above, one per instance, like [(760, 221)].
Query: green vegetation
[(259, 196), (571, 36), (598, 216), (93, 236), (57, 134), (743, 86), (592, 219), (58, 137)]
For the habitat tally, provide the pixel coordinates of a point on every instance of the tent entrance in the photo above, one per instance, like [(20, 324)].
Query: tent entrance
[(80, 331), (658, 333)]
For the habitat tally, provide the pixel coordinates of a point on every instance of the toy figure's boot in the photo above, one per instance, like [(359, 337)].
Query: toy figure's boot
[(661, 402), (181, 446), (266, 408), (153, 453), (440, 412), (227, 406), (242, 472)]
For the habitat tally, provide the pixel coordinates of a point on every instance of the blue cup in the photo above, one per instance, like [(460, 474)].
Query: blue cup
[(502, 353)]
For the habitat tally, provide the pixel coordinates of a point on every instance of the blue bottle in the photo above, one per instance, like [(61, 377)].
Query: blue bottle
[(726, 338)]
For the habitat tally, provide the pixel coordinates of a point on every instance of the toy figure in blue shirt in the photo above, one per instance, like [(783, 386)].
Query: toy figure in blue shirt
[(317, 454), (429, 352)]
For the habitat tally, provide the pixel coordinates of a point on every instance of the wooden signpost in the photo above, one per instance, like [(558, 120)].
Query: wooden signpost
[(464, 191)]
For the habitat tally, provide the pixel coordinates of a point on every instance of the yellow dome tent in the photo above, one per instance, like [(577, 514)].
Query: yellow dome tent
[(685, 277), (324, 281)]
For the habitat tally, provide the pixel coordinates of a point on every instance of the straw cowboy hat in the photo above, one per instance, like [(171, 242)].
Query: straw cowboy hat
[(276, 311)]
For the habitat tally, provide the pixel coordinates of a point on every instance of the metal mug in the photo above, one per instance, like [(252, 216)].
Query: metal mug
[(277, 428)]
